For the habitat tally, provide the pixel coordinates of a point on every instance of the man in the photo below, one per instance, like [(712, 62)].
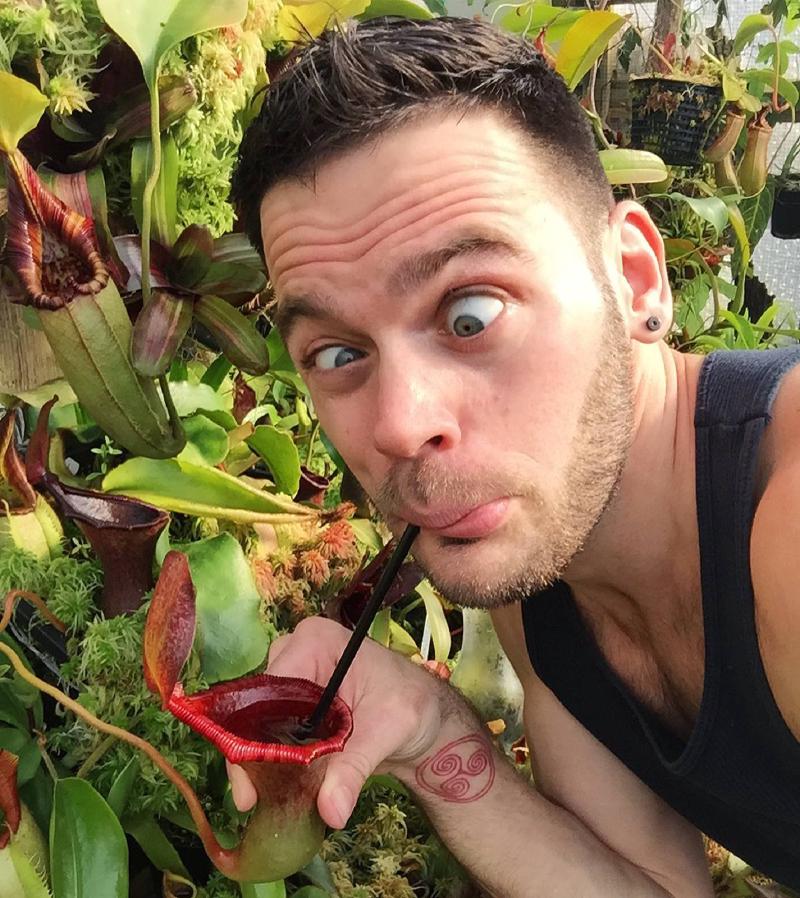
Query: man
[(481, 329)]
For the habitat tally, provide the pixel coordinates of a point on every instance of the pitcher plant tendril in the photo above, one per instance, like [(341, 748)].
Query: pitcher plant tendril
[(198, 815)]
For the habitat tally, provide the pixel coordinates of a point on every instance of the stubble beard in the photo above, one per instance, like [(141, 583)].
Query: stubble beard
[(560, 523)]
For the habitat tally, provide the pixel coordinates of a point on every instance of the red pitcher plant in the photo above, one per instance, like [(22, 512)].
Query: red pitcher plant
[(251, 721)]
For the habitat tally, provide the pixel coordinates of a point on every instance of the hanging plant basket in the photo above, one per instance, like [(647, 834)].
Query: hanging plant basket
[(673, 118), (786, 210)]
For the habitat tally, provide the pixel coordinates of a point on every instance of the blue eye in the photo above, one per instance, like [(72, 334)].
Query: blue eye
[(336, 357), (469, 315)]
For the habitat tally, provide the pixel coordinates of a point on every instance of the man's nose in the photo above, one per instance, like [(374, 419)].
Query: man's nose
[(416, 410)]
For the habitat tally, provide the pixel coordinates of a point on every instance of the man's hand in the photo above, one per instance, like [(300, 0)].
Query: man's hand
[(397, 708)]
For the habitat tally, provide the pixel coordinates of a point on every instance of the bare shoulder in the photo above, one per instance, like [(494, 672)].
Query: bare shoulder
[(774, 546)]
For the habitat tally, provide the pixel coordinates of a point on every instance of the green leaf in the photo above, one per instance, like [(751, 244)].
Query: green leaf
[(156, 846), (165, 195), (401, 641), (230, 637), (711, 209), (237, 247), (267, 889), (25, 748), (120, 790), (367, 533), (743, 253), (732, 86), (633, 167), (311, 892), (298, 23), (159, 331), (191, 256), (37, 796), (88, 851), (232, 280), (190, 398), (585, 43), (709, 341), (744, 329), (440, 630), (200, 491), (750, 27), (206, 442), (236, 335), (768, 315), (278, 450), (279, 358), (216, 373), (406, 9), (788, 91), (151, 27), (380, 629), (530, 18), (758, 80), (317, 871), (756, 211), (20, 111), (12, 711)]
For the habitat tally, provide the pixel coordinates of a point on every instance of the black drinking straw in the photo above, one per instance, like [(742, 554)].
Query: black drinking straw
[(308, 727)]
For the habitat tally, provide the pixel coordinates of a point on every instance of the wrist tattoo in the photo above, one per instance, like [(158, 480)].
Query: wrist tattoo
[(462, 771)]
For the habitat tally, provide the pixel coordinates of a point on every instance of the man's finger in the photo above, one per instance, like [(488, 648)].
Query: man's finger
[(348, 770), (276, 647), (242, 788)]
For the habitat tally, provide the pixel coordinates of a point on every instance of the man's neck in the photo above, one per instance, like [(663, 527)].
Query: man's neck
[(646, 541)]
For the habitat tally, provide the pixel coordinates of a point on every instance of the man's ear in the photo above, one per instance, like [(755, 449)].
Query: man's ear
[(642, 271)]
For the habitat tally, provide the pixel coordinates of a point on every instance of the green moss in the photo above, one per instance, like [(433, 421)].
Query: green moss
[(68, 585)]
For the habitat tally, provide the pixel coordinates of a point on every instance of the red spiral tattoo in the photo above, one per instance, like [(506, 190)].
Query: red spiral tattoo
[(461, 771)]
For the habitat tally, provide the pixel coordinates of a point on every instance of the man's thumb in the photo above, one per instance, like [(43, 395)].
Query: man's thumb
[(344, 780)]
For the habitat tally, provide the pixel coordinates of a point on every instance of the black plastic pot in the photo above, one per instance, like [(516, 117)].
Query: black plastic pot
[(675, 119), (786, 210)]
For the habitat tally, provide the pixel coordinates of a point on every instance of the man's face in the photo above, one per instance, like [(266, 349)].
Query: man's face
[(462, 356)]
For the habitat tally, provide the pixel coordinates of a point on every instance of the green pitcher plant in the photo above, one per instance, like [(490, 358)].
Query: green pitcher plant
[(23, 853), (55, 254), (26, 520)]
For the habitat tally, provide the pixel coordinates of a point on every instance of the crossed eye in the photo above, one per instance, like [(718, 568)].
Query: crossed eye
[(471, 314)]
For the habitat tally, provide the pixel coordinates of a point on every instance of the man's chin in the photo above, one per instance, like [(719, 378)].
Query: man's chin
[(475, 572)]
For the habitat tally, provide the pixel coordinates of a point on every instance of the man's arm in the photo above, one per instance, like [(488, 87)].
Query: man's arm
[(512, 839)]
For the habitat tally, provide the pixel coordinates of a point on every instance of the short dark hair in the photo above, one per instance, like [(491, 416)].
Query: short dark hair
[(359, 81)]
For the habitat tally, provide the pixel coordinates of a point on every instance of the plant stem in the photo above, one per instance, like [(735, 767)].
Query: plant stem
[(174, 417), (102, 747), (311, 441), (35, 600), (48, 763), (204, 830), (150, 186), (792, 332)]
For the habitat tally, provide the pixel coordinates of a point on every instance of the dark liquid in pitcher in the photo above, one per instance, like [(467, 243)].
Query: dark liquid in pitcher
[(255, 723)]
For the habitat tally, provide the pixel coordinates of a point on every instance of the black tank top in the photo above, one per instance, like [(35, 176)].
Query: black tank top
[(737, 778)]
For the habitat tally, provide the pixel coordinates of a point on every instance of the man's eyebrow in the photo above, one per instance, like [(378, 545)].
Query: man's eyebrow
[(415, 271), (289, 310), (409, 274)]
